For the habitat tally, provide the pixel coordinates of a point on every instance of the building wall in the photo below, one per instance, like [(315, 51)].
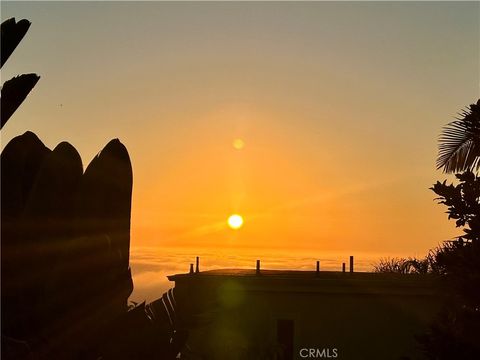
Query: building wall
[(362, 318)]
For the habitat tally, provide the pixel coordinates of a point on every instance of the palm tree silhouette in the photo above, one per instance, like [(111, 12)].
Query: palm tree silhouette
[(459, 143)]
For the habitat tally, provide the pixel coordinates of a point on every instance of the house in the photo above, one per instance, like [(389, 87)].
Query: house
[(276, 314)]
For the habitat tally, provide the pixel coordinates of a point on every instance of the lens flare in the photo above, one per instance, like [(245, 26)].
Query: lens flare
[(238, 144)]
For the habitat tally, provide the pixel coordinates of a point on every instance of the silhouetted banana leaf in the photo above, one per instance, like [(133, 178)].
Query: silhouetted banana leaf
[(21, 161), (459, 144), (48, 221), (145, 332), (104, 204), (102, 229), (177, 315), (12, 33), (14, 91), (158, 330)]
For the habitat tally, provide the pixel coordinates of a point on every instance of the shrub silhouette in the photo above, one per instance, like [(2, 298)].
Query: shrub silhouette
[(456, 332)]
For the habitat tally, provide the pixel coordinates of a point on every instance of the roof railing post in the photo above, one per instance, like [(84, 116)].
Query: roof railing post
[(351, 264), (318, 268), (343, 267), (258, 268), (197, 265)]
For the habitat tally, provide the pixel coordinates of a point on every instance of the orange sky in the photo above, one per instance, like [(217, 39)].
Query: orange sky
[(339, 106)]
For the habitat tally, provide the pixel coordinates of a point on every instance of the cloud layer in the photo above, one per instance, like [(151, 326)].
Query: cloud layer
[(151, 266)]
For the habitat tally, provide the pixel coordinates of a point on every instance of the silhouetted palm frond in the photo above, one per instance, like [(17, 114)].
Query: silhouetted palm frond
[(14, 91), (459, 144)]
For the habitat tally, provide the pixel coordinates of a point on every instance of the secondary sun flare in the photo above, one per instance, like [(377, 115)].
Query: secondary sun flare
[(238, 144), (235, 221)]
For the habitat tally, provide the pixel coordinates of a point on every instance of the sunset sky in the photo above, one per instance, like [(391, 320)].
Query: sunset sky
[(338, 107)]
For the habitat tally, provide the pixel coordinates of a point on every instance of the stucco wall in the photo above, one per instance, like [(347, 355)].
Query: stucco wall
[(362, 316)]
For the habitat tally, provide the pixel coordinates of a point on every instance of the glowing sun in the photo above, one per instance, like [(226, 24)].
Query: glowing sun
[(235, 221)]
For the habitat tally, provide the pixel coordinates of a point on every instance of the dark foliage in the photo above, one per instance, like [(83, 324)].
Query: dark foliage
[(158, 330), (65, 260), (65, 247), (410, 265), (65, 244), (12, 33), (463, 204), (456, 333), (14, 91)]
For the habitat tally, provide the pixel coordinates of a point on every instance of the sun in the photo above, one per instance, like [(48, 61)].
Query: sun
[(235, 221)]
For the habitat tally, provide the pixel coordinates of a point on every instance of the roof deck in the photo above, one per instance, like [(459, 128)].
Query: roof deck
[(312, 281)]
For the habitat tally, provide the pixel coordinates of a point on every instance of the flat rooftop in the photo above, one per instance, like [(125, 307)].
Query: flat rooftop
[(292, 274), (295, 281)]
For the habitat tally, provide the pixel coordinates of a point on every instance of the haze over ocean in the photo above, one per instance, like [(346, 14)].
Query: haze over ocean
[(151, 266)]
